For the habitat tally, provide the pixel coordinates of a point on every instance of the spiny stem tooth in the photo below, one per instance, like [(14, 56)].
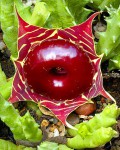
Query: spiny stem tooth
[(114, 39)]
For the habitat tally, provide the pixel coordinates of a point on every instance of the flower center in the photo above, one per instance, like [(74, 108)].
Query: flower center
[(58, 69)]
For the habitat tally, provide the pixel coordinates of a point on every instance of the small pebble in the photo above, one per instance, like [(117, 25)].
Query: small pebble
[(86, 109), (44, 123), (50, 134), (52, 128), (60, 129), (2, 45), (73, 119), (59, 123), (83, 117), (56, 132), (55, 121), (99, 27), (51, 120)]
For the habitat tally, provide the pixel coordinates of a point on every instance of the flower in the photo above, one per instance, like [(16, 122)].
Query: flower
[(80, 36)]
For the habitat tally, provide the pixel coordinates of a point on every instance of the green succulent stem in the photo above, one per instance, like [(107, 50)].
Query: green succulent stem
[(5, 85), (5, 89), (23, 128), (7, 145), (110, 39), (99, 126)]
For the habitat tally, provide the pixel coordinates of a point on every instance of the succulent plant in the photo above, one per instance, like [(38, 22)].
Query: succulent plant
[(58, 68)]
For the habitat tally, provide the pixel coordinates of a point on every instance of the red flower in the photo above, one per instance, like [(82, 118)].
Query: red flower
[(57, 67)]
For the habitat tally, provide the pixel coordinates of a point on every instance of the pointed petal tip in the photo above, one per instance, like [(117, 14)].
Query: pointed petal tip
[(107, 95), (20, 18), (90, 19)]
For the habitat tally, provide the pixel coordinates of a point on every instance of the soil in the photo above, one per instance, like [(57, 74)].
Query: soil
[(111, 84)]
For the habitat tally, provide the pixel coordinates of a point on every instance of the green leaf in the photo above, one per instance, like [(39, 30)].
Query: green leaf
[(31, 128), (5, 85), (65, 13), (52, 146), (48, 145), (99, 126), (102, 4), (110, 39), (111, 46), (0, 10), (114, 63), (9, 25), (5, 89), (40, 14), (36, 15), (7, 145), (98, 138), (108, 3), (82, 15), (3, 79), (64, 147), (60, 16), (106, 118), (23, 128), (11, 117), (78, 10)]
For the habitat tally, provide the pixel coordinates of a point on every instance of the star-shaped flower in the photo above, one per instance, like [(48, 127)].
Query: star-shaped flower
[(39, 49)]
